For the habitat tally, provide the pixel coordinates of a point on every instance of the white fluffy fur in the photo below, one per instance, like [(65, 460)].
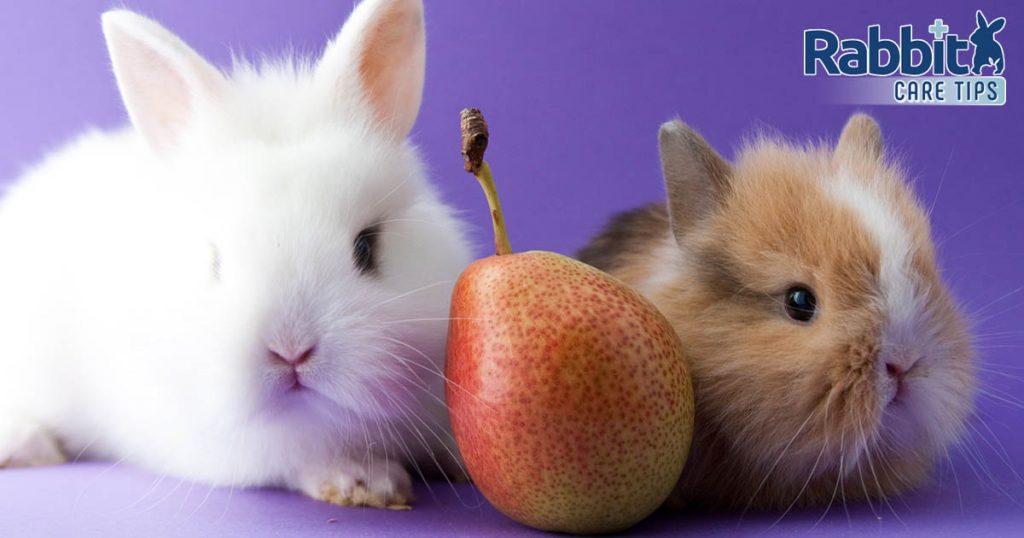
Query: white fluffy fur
[(879, 217), (145, 277), (909, 336)]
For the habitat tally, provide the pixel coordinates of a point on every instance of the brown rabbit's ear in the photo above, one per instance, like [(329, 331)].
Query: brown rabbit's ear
[(696, 177), (861, 140)]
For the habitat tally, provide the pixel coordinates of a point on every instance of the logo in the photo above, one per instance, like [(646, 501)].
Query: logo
[(986, 49), (914, 68)]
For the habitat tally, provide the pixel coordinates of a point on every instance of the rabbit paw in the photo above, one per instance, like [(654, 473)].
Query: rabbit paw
[(26, 444), (380, 484)]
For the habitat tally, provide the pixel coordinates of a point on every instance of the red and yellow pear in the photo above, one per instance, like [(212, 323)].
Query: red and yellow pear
[(569, 394)]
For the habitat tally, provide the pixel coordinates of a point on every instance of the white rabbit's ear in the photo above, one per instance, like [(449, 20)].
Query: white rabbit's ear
[(377, 59), (997, 25), (982, 23), (159, 76)]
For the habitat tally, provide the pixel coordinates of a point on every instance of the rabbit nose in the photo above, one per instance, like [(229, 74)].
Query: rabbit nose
[(291, 357), (897, 374), (894, 371), (898, 370)]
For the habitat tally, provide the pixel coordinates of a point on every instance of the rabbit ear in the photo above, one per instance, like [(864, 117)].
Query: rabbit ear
[(159, 76), (997, 24), (696, 177), (377, 59), (982, 23), (861, 139)]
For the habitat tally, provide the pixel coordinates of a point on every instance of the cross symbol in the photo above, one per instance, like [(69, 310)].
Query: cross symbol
[(938, 29)]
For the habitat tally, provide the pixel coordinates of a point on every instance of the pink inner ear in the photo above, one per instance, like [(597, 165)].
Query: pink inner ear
[(391, 66), (155, 93)]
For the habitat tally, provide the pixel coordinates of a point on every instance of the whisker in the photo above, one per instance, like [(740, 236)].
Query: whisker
[(443, 442), (773, 466), (436, 371), (410, 458), (210, 487), (860, 471), (997, 315), (942, 179), (84, 449), (977, 221), (153, 486), (975, 454), (878, 485), (997, 447), (410, 292), (956, 480), (1005, 398), (393, 321), (166, 496), (102, 473), (803, 488), (184, 501), (839, 477), (391, 192)]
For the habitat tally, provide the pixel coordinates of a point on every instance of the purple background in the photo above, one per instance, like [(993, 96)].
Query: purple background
[(574, 92)]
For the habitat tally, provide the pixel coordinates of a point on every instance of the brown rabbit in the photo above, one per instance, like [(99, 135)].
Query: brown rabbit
[(829, 359)]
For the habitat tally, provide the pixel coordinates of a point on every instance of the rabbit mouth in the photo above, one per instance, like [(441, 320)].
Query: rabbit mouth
[(294, 396), (294, 383), (896, 390)]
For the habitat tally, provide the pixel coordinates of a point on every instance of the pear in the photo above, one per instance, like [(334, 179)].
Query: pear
[(569, 394)]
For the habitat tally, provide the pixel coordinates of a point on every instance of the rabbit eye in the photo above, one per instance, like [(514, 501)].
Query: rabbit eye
[(800, 304), (214, 262), (363, 250)]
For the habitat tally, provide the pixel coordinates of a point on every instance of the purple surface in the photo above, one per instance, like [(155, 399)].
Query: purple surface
[(99, 499), (574, 92)]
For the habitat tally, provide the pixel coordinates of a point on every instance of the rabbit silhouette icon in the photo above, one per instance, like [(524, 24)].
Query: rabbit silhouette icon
[(987, 51)]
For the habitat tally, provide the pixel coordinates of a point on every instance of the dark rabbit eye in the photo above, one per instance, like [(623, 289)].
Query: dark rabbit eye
[(363, 250), (801, 304), (215, 262)]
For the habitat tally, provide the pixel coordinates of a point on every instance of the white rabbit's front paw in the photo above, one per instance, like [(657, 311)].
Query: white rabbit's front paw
[(377, 484), (26, 444)]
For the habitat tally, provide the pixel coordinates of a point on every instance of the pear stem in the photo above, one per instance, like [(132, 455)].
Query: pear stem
[(474, 142), (501, 243)]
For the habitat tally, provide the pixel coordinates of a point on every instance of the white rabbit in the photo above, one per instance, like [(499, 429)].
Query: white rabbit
[(249, 285)]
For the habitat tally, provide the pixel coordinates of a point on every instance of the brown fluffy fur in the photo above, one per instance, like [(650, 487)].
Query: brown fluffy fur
[(790, 413)]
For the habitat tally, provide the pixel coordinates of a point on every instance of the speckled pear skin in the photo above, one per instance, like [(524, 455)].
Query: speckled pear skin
[(569, 394)]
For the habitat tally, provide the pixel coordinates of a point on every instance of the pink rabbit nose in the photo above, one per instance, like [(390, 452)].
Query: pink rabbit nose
[(898, 368), (292, 357), (898, 374)]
